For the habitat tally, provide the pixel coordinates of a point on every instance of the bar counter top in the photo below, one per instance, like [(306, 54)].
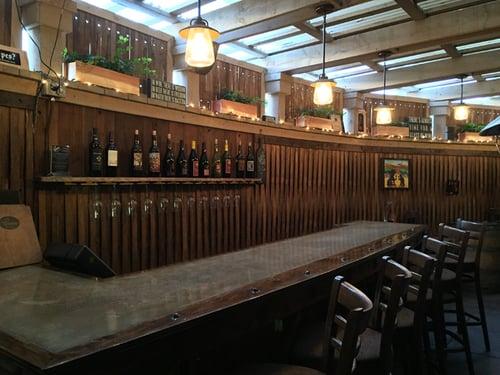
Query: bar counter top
[(50, 317)]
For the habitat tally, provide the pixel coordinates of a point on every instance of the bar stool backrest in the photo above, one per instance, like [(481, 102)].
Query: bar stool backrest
[(392, 284), (421, 267), (476, 236), (348, 315), (457, 240)]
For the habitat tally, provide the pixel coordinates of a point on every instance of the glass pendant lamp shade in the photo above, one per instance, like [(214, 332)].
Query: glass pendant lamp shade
[(461, 112), (384, 115), (199, 42), (323, 87), (323, 91)]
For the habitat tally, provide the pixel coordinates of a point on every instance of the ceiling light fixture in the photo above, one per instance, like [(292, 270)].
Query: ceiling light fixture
[(461, 111), (323, 87), (199, 42), (384, 112)]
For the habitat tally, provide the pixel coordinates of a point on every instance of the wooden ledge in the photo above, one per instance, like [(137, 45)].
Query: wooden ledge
[(66, 180)]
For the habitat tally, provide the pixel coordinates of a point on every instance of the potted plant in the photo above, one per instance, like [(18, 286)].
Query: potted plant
[(470, 133), (236, 103), (118, 73), (319, 118), (396, 129)]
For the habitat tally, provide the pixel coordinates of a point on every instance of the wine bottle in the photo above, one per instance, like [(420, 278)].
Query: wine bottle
[(261, 162), (111, 157), (240, 162), (216, 161), (194, 167), (182, 163), (250, 170), (169, 160), (204, 162), (137, 167), (226, 161), (154, 157), (95, 155)]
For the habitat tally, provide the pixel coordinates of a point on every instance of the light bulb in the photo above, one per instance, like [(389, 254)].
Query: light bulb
[(384, 115), (323, 92), (199, 47), (461, 112)]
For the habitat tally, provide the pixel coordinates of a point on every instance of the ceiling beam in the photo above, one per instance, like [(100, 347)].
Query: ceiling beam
[(373, 65), (478, 77), (307, 28), (444, 28), (451, 50), (471, 90), (412, 9), (478, 63)]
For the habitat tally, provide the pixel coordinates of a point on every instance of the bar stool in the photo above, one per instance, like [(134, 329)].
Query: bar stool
[(411, 320), (471, 272), (375, 352), (348, 316), (451, 287)]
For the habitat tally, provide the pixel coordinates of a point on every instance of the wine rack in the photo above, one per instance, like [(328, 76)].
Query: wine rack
[(66, 180)]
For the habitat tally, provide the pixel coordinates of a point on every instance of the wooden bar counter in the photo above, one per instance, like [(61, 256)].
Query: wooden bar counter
[(56, 322)]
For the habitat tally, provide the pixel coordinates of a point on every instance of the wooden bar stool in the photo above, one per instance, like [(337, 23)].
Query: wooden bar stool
[(348, 316), (411, 337), (471, 272), (376, 342)]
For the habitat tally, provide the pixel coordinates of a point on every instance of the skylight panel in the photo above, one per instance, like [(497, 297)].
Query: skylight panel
[(104, 4), (207, 8), (437, 83), (410, 58), (286, 43), (170, 5), (134, 15), (160, 25), (484, 43), (261, 38), (418, 63), (306, 76), (354, 11)]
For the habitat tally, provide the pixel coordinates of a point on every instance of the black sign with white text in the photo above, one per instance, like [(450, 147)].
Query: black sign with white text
[(10, 57)]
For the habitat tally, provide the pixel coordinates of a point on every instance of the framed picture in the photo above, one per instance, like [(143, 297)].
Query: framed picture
[(396, 173)]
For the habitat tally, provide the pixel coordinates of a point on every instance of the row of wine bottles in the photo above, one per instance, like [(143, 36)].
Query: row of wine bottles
[(104, 160)]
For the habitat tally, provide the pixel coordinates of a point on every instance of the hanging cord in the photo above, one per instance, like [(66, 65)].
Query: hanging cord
[(324, 45), (385, 76), (461, 90), (199, 8)]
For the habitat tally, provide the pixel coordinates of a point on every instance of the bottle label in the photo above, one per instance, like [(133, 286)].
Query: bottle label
[(184, 169), (112, 158), (241, 165), (96, 164), (196, 171), (137, 161), (227, 167), (218, 168), (250, 166), (206, 172), (154, 162)]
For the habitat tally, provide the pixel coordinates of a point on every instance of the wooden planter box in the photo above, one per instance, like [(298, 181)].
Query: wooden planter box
[(86, 73), (473, 137), (386, 130), (333, 123), (235, 108)]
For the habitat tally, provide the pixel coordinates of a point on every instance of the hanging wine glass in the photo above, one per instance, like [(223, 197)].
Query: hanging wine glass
[(148, 204), (203, 202), (96, 206), (163, 204), (115, 204), (131, 206)]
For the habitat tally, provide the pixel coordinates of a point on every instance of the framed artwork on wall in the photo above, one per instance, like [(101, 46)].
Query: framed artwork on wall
[(396, 174)]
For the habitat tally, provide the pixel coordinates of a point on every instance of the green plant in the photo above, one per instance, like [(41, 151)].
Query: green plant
[(238, 96), (138, 66), (323, 112), (471, 127)]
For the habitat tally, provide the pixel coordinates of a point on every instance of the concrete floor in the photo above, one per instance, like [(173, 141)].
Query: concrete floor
[(484, 363)]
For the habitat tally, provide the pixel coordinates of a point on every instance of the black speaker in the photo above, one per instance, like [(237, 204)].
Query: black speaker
[(77, 258)]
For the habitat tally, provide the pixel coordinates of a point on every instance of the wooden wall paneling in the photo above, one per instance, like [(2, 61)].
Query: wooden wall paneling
[(5, 22), (5, 148)]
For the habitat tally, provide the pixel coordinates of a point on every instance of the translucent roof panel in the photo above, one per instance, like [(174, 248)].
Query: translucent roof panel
[(170, 5), (207, 8), (236, 52), (369, 22), (286, 43), (418, 63), (135, 15), (355, 11), (105, 4), (433, 6), (339, 72), (264, 37), (410, 58), (484, 43)]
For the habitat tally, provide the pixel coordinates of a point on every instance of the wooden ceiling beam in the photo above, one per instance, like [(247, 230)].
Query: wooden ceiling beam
[(478, 63), (471, 90), (451, 50), (307, 28), (412, 9), (450, 27)]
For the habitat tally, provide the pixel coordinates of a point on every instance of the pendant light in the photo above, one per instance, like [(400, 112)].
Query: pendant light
[(323, 87), (461, 111), (384, 112), (199, 42)]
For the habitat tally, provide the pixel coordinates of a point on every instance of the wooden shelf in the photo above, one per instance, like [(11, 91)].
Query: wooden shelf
[(66, 180)]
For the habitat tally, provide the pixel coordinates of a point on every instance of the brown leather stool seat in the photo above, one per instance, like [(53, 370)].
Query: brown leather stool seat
[(276, 369)]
